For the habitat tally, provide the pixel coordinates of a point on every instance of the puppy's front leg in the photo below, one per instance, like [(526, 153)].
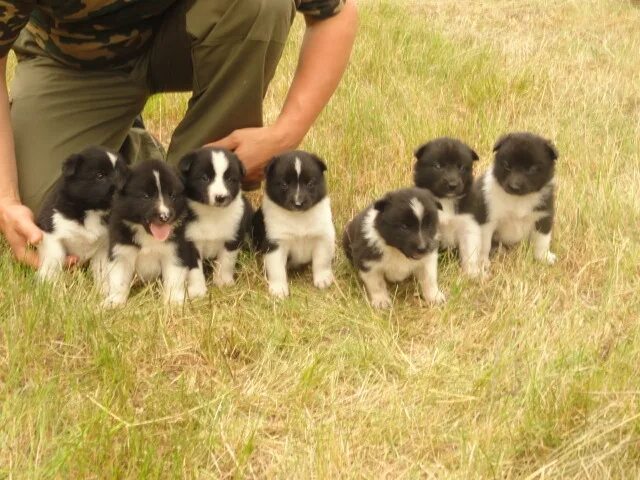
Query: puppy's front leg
[(99, 263), (486, 233), (428, 279), (52, 255), (470, 241), (196, 283), (119, 275), (174, 279), (376, 286), (226, 267), (541, 239), (322, 257), (275, 263)]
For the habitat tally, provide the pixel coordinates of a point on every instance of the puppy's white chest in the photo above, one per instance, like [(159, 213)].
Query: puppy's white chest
[(395, 266), (81, 240), (214, 226), (513, 215), (447, 223)]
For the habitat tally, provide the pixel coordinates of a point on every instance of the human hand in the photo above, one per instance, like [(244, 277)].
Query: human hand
[(18, 227), (255, 147)]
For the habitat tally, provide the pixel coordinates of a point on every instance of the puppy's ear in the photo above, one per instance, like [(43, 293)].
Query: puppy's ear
[(319, 161), (269, 168), (381, 204), (418, 152), (122, 173), (71, 164), (500, 142), (551, 148), (184, 165), (474, 155)]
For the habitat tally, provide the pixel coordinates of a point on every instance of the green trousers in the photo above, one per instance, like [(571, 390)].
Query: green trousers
[(224, 51)]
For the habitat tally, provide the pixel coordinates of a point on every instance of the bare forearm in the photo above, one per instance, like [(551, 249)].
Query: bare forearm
[(8, 171), (323, 60)]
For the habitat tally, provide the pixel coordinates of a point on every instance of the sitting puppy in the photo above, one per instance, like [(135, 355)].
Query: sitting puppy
[(294, 225), (219, 215), (517, 195), (444, 166), (146, 234), (393, 239), (74, 213)]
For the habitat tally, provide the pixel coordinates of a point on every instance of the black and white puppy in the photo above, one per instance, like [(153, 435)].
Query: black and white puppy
[(395, 238), (219, 215), (517, 195), (444, 166), (73, 215), (146, 234), (294, 226)]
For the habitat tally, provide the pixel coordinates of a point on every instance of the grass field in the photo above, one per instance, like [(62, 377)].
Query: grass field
[(532, 374)]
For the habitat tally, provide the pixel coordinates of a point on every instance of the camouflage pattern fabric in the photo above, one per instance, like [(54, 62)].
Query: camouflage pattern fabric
[(320, 8), (100, 33)]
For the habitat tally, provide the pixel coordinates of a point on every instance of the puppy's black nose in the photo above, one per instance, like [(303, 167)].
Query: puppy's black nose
[(298, 204), (452, 185), (220, 198), (164, 217), (421, 250)]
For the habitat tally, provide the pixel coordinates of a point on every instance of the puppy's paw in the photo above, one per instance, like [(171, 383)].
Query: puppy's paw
[(279, 290), (113, 301), (381, 301), (49, 273), (197, 290), (472, 271), (436, 297), (223, 280), (323, 279), (547, 257)]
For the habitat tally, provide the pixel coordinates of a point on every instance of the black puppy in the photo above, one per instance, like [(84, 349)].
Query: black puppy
[(294, 225), (146, 234), (517, 195), (393, 239), (444, 166), (74, 213), (219, 215)]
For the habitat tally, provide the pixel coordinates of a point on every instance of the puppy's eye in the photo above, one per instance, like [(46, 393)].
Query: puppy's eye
[(205, 178), (147, 195), (311, 183), (284, 186), (437, 165), (506, 166), (463, 168), (100, 175), (172, 196), (534, 169), (404, 227), (226, 175)]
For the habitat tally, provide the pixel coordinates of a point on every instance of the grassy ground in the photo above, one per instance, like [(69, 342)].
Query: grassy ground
[(531, 374)]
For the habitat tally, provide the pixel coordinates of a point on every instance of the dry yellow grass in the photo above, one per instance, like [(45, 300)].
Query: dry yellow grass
[(532, 374)]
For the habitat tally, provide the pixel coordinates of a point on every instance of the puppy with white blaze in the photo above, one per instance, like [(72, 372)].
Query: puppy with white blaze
[(294, 225), (444, 166), (517, 195), (146, 234), (74, 213), (219, 215), (393, 239)]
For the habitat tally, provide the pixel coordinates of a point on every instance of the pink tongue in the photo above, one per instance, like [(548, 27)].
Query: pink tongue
[(160, 231)]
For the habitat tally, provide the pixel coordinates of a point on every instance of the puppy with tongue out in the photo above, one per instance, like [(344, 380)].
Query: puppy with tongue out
[(146, 234)]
